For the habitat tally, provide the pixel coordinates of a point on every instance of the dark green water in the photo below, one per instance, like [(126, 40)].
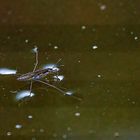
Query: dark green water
[(106, 78)]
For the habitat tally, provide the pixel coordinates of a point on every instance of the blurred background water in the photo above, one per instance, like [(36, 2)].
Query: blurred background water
[(98, 42)]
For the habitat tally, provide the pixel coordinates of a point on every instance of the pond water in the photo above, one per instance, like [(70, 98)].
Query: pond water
[(100, 65)]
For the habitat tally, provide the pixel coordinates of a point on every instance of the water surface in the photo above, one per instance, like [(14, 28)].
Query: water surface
[(100, 65)]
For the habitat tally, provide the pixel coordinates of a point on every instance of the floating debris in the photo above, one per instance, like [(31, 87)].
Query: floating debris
[(116, 134), (102, 7), (9, 133), (30, 116), (55, 47), (26, 41), (133, 102), (94, 30), (33, 138), (136, 38), (123, 28), (8, 37), (50, 44), (33, 130), (91, 131), (83, 27), (79, 61), (94, 47), (55, 135), (64, 136), (6, 71), (69, 129), (77, 114), (42, 130)]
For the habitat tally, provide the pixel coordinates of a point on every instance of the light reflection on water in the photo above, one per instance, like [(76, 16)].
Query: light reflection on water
[(6, 71), (18, 126), (23, 94), (60, 77), (52, 66), (69, 93)]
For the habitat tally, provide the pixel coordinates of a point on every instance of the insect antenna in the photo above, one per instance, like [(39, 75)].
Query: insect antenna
[(56, 63), (56, 67)]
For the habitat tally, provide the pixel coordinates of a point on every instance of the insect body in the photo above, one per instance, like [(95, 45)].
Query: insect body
[(43, 76), (38, 74)]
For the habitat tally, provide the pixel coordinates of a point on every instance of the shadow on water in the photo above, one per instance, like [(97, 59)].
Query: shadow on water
[(101, 65)]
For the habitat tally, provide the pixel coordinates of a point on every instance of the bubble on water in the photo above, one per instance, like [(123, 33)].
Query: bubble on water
[(6, 71), (23, 94)]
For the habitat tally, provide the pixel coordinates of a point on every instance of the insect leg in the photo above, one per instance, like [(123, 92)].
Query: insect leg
[(31, 85), (36, 58), (57, 71), (35, 66), (50, 85)]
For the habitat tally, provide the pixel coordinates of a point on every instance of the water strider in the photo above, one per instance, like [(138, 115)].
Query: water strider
[(40, 75), (37, 74)]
